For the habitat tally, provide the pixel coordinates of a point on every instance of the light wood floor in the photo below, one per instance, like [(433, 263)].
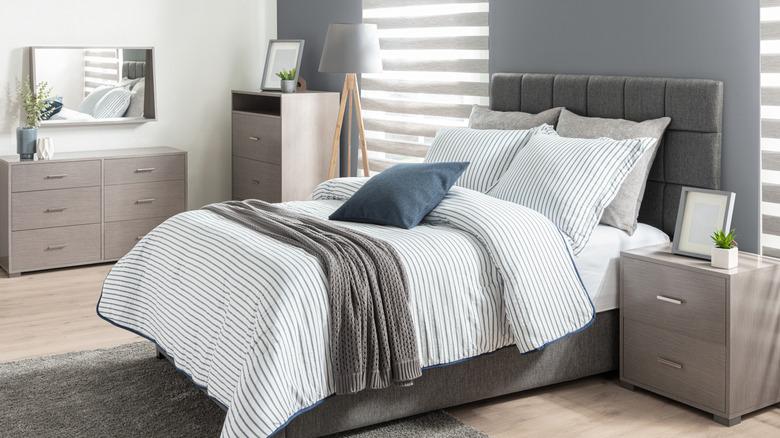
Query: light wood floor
[(54, 312)]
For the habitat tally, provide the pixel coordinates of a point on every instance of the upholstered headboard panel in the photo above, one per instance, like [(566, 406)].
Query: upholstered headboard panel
[(690, 152), (133, 69)]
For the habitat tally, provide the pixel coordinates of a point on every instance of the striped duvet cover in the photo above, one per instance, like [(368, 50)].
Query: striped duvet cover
[(246, 316)]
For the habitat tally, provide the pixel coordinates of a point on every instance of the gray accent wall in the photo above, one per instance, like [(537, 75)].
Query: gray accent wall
[(711, 39)]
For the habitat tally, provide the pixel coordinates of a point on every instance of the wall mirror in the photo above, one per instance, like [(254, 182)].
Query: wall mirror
[(96, 85)]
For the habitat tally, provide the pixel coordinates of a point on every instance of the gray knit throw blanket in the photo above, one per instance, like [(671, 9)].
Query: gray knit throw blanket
[(372, 339)]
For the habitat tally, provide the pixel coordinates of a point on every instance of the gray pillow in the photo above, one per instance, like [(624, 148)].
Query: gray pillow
[(484, 118), (113, 104), (136, 107), (622, 213)]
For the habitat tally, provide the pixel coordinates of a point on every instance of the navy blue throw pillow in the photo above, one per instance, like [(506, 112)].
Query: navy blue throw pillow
[(402, 195)]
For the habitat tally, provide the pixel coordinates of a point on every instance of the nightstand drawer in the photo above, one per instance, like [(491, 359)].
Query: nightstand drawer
[(47, 176), (55, 247), (145, 169), (55, 208), (258, 137), (144, 200), (679, 300), (688, 369), (256, 180)]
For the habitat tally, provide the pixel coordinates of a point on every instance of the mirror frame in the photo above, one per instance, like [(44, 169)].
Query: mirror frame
[(150, 100)]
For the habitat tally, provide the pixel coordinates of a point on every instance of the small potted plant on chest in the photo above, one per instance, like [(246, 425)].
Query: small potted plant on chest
[(35, 105), (289, 84), (725, 254)]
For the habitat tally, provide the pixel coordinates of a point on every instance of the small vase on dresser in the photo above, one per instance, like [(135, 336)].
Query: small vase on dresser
[(85, 207)]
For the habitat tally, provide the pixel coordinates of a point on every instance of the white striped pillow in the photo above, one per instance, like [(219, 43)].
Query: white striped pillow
[(570, 180), (113, 104), (489, 152)]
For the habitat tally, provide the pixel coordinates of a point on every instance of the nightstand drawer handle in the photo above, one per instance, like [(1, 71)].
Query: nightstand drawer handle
[(253, 138), (669, 363), (145, 170), (55, 176), (668, 300), (145, 201), (137, 238), (55, 247), (256, 181), (55, 210)]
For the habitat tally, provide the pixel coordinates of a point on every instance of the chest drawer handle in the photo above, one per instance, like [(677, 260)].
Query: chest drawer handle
[(55, 247), (55, 210), (145, 170), (669, 363), (253, 138), (55, 176), (256, 181), (145, 201), (137, 238), (668, 300)]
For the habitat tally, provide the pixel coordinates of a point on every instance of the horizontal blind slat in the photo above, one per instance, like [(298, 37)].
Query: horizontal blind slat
[(404, 128), (770, 128), (378, 164), (770, 224), (770, 160), (432, 43), (428, 87), (407, 107), (397, 147), (770, 96), (770, 193), (452, 20), (770, 63), (372, 4), (764, 3), (771, 252), (770, 30), (455, 65)]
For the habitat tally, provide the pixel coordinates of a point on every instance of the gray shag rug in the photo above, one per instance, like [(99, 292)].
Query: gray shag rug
[(127, 392)]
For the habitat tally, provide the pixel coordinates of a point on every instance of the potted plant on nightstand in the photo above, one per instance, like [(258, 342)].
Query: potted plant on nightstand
[(725, 254), (289, 84), (35, 104)]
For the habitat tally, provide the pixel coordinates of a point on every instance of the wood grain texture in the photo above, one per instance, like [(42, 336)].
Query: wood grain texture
[(702, 313), (258, 137), (48, 176), (121, 237), (145, 169), (55, 208), (144, 200), (256, 180), (54, 247)]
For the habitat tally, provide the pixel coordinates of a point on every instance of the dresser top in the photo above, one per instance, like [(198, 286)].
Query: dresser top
[(97, 154), (662, 254), (279, 93)]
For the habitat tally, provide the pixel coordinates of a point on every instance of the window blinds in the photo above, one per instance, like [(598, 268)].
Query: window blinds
[(770, 127), (435, 55), (101, 67)]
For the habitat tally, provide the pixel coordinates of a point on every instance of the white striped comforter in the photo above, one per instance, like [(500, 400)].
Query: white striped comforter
[(246, 316)]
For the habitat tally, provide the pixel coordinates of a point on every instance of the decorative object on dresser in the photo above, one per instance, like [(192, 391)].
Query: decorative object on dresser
[(725, 254), (45, 148), (282, 55), (701, 212), (288, 80), (35, 105), (85, 207), (702, 336), (350, 49), (279, 143)]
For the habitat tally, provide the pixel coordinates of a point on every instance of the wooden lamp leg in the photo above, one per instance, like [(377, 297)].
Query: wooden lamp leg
[(334, 153), (349, 132), (361, 129)]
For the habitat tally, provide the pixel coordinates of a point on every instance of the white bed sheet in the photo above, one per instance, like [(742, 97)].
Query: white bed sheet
[(599, 265)]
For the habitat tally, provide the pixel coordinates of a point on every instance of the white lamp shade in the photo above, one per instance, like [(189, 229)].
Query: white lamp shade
[(351, 48)]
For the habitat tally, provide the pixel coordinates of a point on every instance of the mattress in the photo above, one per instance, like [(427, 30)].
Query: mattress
[(599, 262)]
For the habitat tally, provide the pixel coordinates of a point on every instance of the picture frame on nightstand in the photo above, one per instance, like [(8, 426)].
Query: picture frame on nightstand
[(701, 213)]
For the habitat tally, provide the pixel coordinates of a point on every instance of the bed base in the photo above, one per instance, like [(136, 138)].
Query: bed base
[(589, 352)]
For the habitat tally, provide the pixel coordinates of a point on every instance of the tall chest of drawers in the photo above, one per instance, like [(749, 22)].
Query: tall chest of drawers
[(85, 207), (281, 143)]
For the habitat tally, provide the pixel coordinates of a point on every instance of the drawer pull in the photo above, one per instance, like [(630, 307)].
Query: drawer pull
[(253, 138), (137, 238), (145, 170), (669, 363), (256, 182), (668, 300), (64, 175), (145, 201), (55, 210), (55, 247)]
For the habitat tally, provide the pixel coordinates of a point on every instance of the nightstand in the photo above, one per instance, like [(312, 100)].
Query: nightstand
[(706, 337)]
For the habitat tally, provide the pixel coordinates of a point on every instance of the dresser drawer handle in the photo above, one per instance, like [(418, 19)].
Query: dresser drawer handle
[(256, 181), (145, 170), (64, 175), (55, 210), (668, 300), (137, 238), (669, 363), (55, 247), (253, 138), (145, 201)]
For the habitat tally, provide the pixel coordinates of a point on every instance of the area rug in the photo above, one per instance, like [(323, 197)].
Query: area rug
[(127, 392)]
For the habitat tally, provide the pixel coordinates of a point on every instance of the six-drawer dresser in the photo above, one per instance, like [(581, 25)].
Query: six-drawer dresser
[(281, 143), (85, 207), (704, 336)]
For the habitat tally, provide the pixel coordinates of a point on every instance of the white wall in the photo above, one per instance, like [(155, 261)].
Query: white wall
[(203, 49)]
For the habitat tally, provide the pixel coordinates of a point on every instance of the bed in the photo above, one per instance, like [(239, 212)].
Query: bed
[(689, 155)]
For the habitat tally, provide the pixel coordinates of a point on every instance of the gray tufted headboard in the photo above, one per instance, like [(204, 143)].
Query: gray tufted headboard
[(133, 69), (689, 154)]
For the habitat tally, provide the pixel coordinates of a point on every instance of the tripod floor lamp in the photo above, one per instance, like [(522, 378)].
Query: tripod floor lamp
[(350, 49)]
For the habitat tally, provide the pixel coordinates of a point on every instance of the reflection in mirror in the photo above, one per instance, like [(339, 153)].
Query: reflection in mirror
[(96, 85)]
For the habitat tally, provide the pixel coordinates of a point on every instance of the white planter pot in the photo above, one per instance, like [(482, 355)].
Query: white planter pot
[(725, 258)]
